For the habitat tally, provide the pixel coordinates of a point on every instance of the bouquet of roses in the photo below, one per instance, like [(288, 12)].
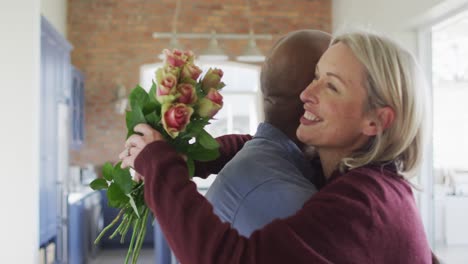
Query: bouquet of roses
[(179, 105)]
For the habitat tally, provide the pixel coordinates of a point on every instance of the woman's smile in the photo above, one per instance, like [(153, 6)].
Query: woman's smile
[(310, 119)]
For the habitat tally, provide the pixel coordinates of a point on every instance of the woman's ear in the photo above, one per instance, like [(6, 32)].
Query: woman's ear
[(381, 119)]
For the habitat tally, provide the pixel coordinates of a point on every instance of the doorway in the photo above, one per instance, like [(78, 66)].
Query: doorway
[(450, 137)]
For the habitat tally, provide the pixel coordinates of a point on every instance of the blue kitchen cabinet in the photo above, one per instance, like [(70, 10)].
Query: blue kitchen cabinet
[(85, 223), (54, 88), (76, 236)]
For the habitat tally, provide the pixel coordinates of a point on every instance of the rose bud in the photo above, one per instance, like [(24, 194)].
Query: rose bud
[(168, 69), (187, 93), (175, 58), (190, 56), (166, 86), (210, 105), (212, 79), (175, 118), (191, 71)]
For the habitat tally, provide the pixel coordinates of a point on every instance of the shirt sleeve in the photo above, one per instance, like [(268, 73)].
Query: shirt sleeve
[(229, 146)]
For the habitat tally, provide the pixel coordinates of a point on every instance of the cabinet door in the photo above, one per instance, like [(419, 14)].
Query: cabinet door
[(48, 145), (55, 88), (76, 240)]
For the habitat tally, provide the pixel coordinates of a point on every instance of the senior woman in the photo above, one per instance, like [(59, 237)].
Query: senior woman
[(364, 115)]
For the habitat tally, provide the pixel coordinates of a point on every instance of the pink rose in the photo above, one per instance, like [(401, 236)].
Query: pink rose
[(175, 118), (166, 86), (187, 93), (191, 71), (211, 104), (177, 58), (212, 79)]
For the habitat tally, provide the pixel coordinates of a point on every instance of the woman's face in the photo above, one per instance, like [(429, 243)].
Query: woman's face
[(334, 117)]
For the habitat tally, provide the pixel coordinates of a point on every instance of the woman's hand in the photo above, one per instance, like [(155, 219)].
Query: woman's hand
[(136, 143)]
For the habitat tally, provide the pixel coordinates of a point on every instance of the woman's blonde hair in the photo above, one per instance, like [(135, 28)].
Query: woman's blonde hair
[(393, 80)]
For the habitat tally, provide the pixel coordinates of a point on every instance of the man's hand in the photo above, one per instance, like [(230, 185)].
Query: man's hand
[(136, 143)]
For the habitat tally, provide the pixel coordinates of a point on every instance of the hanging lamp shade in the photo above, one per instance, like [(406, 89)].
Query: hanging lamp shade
[(213, 52), (251, 53)]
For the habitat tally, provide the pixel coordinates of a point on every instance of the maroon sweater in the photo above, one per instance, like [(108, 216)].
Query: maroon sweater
[(367, 215)]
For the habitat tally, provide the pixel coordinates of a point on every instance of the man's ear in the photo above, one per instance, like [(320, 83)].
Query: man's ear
[(381, 119)]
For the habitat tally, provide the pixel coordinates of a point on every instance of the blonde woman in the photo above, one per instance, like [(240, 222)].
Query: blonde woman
[(364, 115)]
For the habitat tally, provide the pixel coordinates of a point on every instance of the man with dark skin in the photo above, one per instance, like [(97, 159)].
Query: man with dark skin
[(270, 177), (288, 69)]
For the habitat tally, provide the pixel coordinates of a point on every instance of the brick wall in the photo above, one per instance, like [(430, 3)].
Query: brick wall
[(113, 38)]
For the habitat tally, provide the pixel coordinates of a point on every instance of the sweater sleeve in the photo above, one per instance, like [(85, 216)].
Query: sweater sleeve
[(195, 233), (334, 226), (229, 146)]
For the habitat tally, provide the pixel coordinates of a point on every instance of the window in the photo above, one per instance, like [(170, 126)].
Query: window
[(77, 110), (450, 93)]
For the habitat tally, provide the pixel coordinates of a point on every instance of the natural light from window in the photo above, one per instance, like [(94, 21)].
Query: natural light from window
[(450, 93)]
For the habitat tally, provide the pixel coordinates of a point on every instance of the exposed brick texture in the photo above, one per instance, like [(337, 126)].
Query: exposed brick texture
[(113, 38)]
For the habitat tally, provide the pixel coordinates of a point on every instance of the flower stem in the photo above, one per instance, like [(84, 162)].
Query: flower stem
[(141, 236), (116, 219), (119, 228), (136, 224), (125, 229)]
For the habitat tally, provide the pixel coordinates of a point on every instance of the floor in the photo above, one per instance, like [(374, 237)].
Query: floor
[(117, 256)]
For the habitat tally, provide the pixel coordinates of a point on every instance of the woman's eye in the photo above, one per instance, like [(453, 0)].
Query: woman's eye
[(332, 87)]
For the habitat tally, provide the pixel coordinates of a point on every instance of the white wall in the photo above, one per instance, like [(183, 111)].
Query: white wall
[(19, 133), (56, 13), (393, 18)]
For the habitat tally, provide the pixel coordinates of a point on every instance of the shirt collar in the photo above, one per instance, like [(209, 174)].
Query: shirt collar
[(269, 132)]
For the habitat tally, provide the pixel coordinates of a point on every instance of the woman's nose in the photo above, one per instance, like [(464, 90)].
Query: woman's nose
[(310, 93)]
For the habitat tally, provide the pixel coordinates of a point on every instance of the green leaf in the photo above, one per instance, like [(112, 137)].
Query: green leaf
[(152, 93), (98, 184), (132, 203), (123, 179), (134, 118), (207, 141), (199, 90), (151, 107), (116, 198), (138, 97), (107, 170), (152, 119), (195, 126), (191, 167), (221, 85), (153, 104), (181, 144)]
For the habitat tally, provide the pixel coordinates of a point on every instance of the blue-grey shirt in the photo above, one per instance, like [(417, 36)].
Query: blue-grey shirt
[(268, 178)]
